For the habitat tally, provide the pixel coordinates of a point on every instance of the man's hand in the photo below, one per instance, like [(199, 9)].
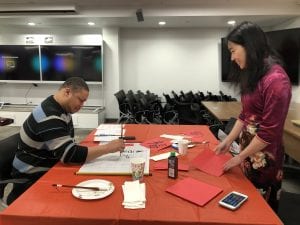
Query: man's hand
[(117, 145)]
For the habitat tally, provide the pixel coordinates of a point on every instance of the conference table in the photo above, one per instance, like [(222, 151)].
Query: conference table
[(44, 204), (291, 135), (223, 110)]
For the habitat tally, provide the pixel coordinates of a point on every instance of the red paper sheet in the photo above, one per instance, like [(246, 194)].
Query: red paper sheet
[(163, 165), (209, 162), (195, 135), (157, 143), (194, 191)]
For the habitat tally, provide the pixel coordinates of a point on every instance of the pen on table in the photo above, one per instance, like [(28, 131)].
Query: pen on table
[(82, 187)]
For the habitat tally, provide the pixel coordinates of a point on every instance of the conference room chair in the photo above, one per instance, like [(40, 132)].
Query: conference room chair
[(149, 109), (125, 115), (8, 148), (170, 115)]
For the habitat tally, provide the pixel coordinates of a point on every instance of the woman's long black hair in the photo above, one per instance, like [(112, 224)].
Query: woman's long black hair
[(259, 56)]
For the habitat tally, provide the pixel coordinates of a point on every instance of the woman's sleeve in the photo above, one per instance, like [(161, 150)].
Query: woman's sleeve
[(276, 92)]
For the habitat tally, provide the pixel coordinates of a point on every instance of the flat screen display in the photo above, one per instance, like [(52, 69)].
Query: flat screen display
[(287, 44), (61, 62), (19, 62), (225, 61)]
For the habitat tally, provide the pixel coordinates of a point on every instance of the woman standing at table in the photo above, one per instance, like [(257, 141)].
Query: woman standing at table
[(265, 96)]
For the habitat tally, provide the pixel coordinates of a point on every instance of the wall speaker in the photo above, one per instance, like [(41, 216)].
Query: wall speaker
[(139, 15)]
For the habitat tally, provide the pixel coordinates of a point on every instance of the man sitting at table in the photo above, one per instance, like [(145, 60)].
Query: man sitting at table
[(47, 136)]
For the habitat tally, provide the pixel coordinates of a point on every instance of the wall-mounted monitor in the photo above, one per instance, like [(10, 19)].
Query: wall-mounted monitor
[(60, 62), (19, 63), (285, 42), (225, 61)]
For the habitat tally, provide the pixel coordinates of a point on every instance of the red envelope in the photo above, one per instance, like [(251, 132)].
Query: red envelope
[(195, 135), (209, 162), (194, 191), (157, 143)]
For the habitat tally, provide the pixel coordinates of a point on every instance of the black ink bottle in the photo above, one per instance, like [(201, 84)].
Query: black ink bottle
[(172, 166)]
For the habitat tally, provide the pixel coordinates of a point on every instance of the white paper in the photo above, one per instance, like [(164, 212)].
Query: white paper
[(134, 194), (176, 137), (105, 138), (116, 163), (109, 132)]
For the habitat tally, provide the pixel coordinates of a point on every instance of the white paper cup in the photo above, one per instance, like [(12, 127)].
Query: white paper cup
[(137, 168), (183, 146)]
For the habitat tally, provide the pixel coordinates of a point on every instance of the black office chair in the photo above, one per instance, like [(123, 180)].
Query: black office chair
[(225, 127), (8, 148), (170, 114), (229, 125), (124, 107)]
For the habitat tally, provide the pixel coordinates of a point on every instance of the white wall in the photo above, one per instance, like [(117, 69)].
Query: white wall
[(162, 60), (111, 70)]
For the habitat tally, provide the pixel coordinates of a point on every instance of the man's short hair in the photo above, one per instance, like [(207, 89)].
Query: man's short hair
[(75, 84)]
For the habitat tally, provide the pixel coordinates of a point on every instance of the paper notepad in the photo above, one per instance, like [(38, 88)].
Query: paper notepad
[(194, 191), (209, 162), (116, 163)]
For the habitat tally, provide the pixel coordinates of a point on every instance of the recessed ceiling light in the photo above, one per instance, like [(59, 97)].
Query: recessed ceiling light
[(31, 24), (231, 22), (91, 23), (161, 23)]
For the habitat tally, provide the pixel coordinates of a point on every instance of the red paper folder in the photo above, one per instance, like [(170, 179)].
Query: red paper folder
[(157, 143), (209, 162), (194, 191)]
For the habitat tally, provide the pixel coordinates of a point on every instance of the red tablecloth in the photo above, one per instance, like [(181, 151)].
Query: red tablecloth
[(44, 204)]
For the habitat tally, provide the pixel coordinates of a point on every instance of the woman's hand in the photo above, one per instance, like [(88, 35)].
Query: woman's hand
[(222, 148), (234, 161)]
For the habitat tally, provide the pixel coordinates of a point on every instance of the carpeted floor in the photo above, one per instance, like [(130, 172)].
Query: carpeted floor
[(289, 206)]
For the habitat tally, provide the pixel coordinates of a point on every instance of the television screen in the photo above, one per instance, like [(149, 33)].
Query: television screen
[(225, 61), (285, 42), (60, 62), (19, 62)]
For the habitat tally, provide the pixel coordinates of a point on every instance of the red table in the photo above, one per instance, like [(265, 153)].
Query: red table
[(44, 204)]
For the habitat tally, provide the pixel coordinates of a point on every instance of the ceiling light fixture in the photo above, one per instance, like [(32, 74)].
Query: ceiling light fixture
[(31, 24), (161, 23), (231, 22), (91, 23)]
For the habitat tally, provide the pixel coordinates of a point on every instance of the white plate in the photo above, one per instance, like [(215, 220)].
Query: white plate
[(175, 144), (91, 194)]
